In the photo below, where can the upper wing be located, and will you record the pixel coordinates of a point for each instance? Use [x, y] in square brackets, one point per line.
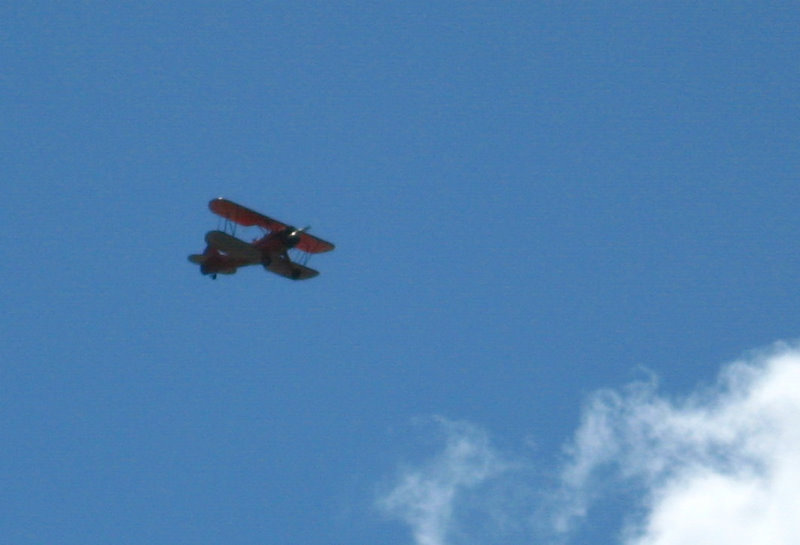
[243, 216]
[313, 245]
[246, 217]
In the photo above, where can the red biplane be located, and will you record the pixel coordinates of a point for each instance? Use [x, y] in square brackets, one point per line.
[225, 253]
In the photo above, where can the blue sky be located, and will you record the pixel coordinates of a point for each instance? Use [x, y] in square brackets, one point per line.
[535, 206]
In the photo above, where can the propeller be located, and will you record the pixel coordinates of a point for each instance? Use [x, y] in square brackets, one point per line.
[291, 235]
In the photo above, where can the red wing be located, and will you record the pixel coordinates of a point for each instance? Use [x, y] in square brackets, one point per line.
[313, 245]
[246, 217]
[243, 216]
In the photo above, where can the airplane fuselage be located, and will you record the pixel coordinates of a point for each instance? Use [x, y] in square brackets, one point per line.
[224, 254]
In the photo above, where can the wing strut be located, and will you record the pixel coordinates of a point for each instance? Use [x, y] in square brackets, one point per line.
[299, 256]
[226, 226]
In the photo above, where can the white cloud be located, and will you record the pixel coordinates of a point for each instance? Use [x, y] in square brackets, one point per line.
[720, 466]
[427, 497]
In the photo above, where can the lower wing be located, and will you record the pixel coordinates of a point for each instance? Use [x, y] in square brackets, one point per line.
[233, 247]
[289, 269]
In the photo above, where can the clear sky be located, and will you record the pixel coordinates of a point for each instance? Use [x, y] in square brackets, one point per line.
[555, 225]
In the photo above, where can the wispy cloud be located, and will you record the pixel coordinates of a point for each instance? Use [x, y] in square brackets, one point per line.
[718, 466]
[428, 497]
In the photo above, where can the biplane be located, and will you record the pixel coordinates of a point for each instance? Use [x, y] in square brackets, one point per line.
[225, 253]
